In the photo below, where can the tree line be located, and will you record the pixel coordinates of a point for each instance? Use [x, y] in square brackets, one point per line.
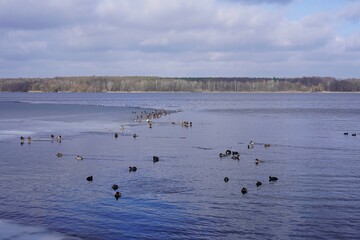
[161, 84]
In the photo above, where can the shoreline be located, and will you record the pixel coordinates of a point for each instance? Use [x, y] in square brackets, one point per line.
[215, 92]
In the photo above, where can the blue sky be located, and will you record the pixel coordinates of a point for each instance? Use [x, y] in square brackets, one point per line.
[180, 38]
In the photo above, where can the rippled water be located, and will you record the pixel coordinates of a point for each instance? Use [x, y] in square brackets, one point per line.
[183, 196]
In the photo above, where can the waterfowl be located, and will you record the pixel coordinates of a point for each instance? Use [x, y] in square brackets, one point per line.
[59, 137]
[115, 187]
[251, 143]
[226, 179]
[258, 183]
[116, 135]
[354, 134]
[244, 190]
[250, 146]
[222, 155]
[117, 195]
[155, 159]
[29, 138]
[267, 145]
[22, 138]
[52, 136]
[236, 157]
[89, 179]
[132, 169]
[346, 133]
[272, 179]
[235, 153]
[257, 161]
[228, 152]
[122, 128]
[135, 135]
[59, 154]
[78, 157]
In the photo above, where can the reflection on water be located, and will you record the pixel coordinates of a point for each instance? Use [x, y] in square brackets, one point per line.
[183, 196]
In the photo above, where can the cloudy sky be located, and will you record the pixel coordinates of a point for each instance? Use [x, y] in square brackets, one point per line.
[229, 38]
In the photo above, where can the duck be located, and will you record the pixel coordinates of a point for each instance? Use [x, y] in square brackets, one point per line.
[236, 157]
[258, 183]
[250, 146]
[116, 135]
[267, 145]
[117, 195]
[272, 179]
[78, 157]
[222, 155]
[59, 137]
[135, 135]
[89, 179]
[59, 154]
[52, 136]
[155, 159]
[354, 134]
[22, 138]
[132, 169]
[115, 187]
[226, 179]
[346, 133]
[244, 190]
[257, 161]
[228, 152]
[29, 138]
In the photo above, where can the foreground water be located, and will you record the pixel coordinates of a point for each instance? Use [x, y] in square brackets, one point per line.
[183, 196]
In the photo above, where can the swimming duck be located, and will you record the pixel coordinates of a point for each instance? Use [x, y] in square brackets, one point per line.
[135, 135]
[132, 169]
[89, 179]
[272, 179]
[22, 138]
[354, 134]
[267, 145]
[226, 179]
[236, 157]
[29, 138]
[59, 154]
[346, 133]
[115, 187]
[52, 136]
[116, 135]
[78, 157]
[228, 152]
[244, 190]
[155, 159]
[257, 161]
[258, 183]
[117, 195]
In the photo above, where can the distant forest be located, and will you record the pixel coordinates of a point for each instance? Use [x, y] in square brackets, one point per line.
[159, 84]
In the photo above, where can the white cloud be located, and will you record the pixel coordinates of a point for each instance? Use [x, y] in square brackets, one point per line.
[202, 37]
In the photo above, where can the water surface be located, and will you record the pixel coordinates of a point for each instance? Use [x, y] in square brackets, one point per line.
[183, 196]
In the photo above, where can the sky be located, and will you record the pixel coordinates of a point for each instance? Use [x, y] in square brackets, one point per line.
[180, 38]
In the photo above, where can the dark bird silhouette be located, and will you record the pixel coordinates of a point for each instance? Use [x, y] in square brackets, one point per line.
[132, 169]
[272, 179]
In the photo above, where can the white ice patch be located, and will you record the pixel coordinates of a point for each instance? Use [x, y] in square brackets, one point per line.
[13, 231]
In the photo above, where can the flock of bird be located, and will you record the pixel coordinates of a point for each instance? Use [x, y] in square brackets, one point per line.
[236, 156]
[148, 118]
